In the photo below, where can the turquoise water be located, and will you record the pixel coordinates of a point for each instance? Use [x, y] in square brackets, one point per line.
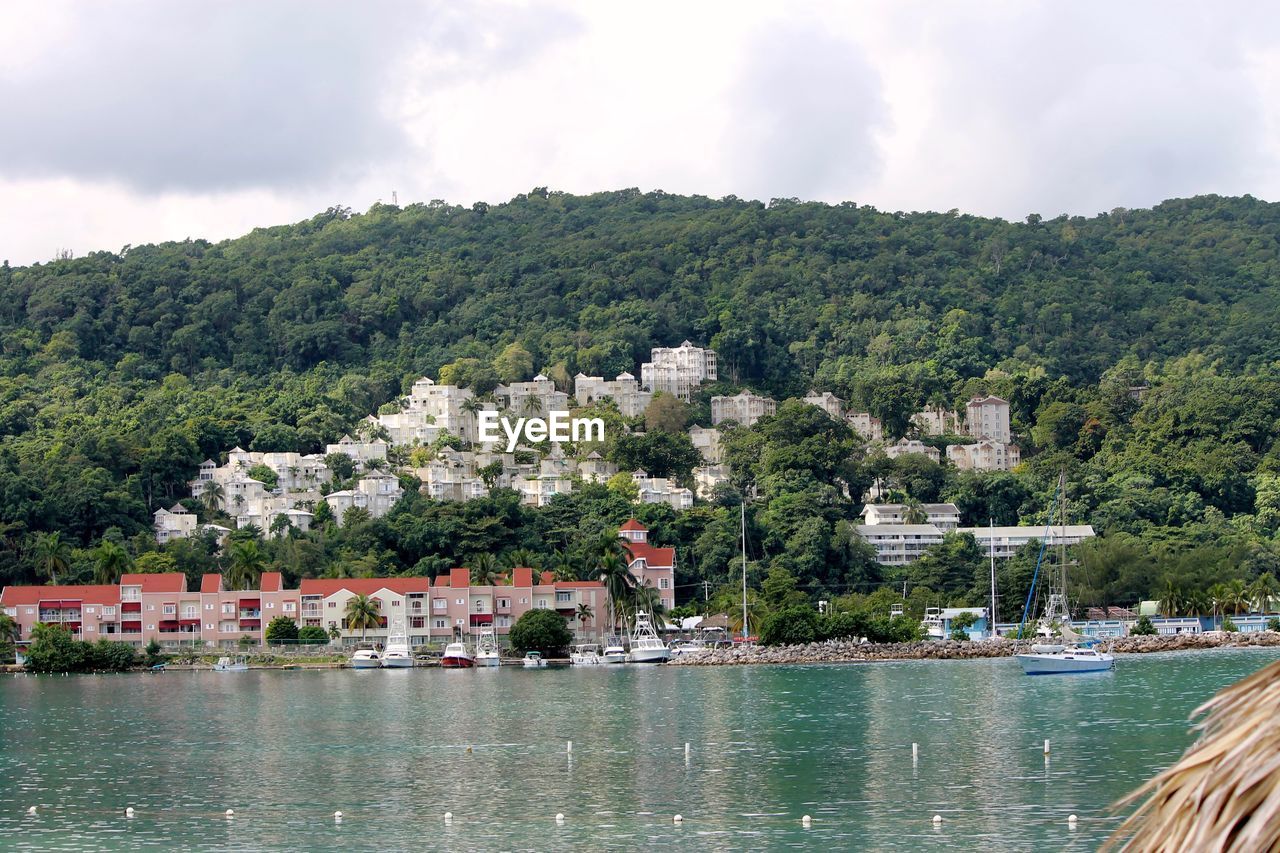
[285, 749]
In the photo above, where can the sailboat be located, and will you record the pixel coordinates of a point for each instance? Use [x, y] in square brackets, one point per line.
[1075, 652]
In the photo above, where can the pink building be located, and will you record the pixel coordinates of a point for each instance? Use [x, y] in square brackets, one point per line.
[650, 565]
[460, 609]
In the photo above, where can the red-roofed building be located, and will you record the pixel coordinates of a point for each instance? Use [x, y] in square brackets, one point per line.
[650, 565]
[402, 602]
[88, 612]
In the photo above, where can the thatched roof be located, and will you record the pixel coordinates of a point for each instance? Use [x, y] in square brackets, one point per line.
[1224, 795]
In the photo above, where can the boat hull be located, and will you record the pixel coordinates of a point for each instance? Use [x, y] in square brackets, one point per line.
[366, 664]
[397, 663]
[661, 655]
[1051, 664]
[457, 663]
[488, 660]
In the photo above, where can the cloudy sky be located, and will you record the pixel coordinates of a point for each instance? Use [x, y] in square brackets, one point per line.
[131, 122]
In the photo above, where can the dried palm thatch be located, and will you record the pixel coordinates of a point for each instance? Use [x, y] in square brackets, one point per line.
[1224, 795]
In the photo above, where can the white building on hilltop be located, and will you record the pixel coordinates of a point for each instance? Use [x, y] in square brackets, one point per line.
[988, 417]
[538, 397]
[429, 410]
[360, 452]
[661, 490]
[937, 421]
[744, 408]
[985, 455]
[177, 522]
[943, 516]
[1004, 542]
[828, 402]
[376, 492]
[625, 391]
[900, 544]
[707, 442]
[678, 370]
[865, 425]
[903, 446]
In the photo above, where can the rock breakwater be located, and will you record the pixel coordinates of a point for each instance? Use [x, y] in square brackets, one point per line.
[843, 651]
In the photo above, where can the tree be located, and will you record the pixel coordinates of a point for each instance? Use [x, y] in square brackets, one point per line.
[484, 570]
[364, 613]
[1264, 592]
[52, 555]
[541, 630]
[155, 563]
[584, 614]
[613, 572]
[794, 625]
[52, 649]
[110, 561]
[1143, 628]
[265, 475]
[513, 364]
[961, 624]
[666, 413]
[282, 629]
[245, 566]
[342, 466]
[312, 634]
[213, 495]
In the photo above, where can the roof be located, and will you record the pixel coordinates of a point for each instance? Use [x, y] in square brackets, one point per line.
[935, 508]
[271, 582]
[897, 529]
[990, 398]
[953, 612]
[211, 583]
[632, 524]
[12, 596]
[362, 586]
[1032, 531]
[167, 582]
[579, 584]
[658, 558]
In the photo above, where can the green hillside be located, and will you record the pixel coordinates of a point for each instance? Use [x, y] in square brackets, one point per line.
[120, 372]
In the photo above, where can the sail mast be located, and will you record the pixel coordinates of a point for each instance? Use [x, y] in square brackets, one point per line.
[743, 506]
[991, 540]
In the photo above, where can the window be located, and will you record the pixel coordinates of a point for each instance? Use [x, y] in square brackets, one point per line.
[228, 607]
[562, 597]
[151, 607]
[542, 604]
[333, 604]
[88, 610]
[395, 604]
[504, 621]
[504, 602]
[439, 623]
[524, 600]
[151, 627]
[271, 605]
[169, 609]
[109, 611]
[416, 621]
[461, 601]
[460, 621]
[290, 606]
[664, 584]
[88, 627]
[208, 607]
[208, 626]
[31, 611]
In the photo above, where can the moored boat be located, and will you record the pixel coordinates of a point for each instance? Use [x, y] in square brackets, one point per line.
[397, 654]
[586, 654]
[614, 651]
[365, 659]
[487, 649]
[1070, 659]
[457, 656]
[237, 664]
[646, 645]
[533, 660]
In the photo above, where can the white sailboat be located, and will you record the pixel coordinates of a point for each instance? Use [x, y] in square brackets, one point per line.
[646, 645]
[398, 654]
[487, 649]
[1059, 649]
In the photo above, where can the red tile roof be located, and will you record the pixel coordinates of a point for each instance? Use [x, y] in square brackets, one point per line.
[658, 558]
[362, 586]
[167, 582]
[548, 577]
[271, 582]
[211, 583]
[632, 524]
[12, 596]
[522, 577]
[459, 578]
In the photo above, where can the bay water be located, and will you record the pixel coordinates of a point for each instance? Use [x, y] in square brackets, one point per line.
[395, 750]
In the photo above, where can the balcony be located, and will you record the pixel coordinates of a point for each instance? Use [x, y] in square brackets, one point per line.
[131, 607]
[250, 614]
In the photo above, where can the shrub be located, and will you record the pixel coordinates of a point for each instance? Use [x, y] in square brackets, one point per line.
[541, 630]
[53, 650]
[109, 656]
[842, 626]
[1228, 625]
[154, 654]
[282, 629]
[792, 625]
[1273, 624]
[313, 634]
[1143, 628]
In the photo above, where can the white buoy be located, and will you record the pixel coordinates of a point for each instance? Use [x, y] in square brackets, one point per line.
[559, 817]
[678, 819]
[937, 819]
[230, 813]
[128, 812]
[1071, 821]
[915, 752]
[1046, 746]
[31, 809]
[337, 816]
[568, 747]
[448, 817]
[806, 821]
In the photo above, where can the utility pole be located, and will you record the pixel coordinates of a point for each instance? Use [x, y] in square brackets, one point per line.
[745, 633]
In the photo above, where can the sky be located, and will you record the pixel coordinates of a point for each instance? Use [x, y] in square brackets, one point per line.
[136, 121]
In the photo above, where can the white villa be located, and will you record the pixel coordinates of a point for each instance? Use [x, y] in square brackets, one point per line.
[943, 516]
[828, 402]
[904, 446]
[985, 455]
[937, 421]
[360, 452]
[376, 492]
[707, 477]
[988, 417]
[660, 490]
[625, 391]
[865, 425]
[538, 397]
[743, 408]
[678, 370]
[177, 522]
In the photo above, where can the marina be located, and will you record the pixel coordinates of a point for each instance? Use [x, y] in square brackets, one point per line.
[767, 745]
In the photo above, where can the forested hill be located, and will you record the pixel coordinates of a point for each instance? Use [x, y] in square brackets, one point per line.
[1138, 350]
[790, 294]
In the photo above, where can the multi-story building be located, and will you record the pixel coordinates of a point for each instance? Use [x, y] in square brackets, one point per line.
[360, 452]
[943, 516]
[537, 398]
[865, 425]
[936, 421]
[988, 417]
[900, 544]
[660, 490]
[1004, 542]
[428, 411]
[625, 392]
[177, 522]
[376, 492]
[707, 442]
[828, 402]
[650, 565]
[707, 477]
[904, 446]
[985, 455]
[743, 408]
[678, 370]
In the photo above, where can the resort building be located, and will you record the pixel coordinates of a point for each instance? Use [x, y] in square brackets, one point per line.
[625, 392]
[707, 477]
[360, 452]
[743, 409]
[988, 417]
[828, 402]
[678, 370]
[899, 544]
[177, 522]
[904, 446]
[985, 455]
[865, 425]
[660, 490]
[376, 492]
[650, 565]
[427, 412]
[937, 421]
[1004, 542]
[537, 398]
[706, 440]
[943, 516]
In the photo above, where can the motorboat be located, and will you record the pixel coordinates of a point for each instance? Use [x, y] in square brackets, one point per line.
[684, 647]
[365, 659]
[646, 645]
[932, 624]
[237, 664]
[586, 654]
[533, 660]
[1071, 659]
[614, 651]
[398, 654]
[457, 656]
[487, 649]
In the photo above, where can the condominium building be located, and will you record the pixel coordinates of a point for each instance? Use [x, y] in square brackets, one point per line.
[865, 425]
[537, 398]
[945, 516]
[743, 408]
[177, 522]
[985, 455]
[625, 392]
[899, 544]
[360, 452]
[904, 446]
[936, 421]
[988, 417]
[1004, 542]
[828, 402]
[660, 490]
[706, 440]
[650, 565]
[376, 492]
[678, 370]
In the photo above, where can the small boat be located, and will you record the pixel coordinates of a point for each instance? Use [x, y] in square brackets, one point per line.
[932, 624]
[614, 651]
[646, 645]
[365, 659]
[1069, 660]
[158, 668]
[487, 649]
[532, 660]
[456, 656]
[685, 647]
[237, 664]
[397, 654]
[587, 654]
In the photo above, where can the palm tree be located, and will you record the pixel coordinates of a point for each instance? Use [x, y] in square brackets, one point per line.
[648, 599]
[521, 557]
[914, 513]
[1264, 591]
[9, 630]
[584, 613]
[213, 494]
[1218, 597]
[618, 581]
[1197, 602]
[246, 565]
[564, 567]
[484, 570]
[533, 406]
[1237, 597]
[1172, 599]
[52, 555]
[364, 613]
[110, 561]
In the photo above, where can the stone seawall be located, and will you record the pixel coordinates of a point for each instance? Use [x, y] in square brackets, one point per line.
[848, 651]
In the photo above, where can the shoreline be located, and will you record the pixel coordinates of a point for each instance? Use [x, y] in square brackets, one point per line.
[851, 652]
